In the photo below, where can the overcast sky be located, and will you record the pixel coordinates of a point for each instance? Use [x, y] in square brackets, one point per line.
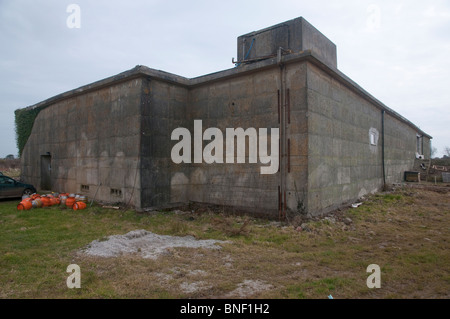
[398, 51]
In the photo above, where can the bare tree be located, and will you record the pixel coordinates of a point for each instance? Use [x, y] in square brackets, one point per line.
[433, 152]
[447, 151]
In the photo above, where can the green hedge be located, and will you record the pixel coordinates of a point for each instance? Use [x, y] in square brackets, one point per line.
[24, 120]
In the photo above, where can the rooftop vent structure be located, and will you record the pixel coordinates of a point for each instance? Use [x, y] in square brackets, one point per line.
[292, 36]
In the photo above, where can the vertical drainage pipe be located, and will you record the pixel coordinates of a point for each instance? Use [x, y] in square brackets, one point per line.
[382, 149]
[282, 208]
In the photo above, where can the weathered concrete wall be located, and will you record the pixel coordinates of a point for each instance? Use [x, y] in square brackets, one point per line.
[343, 165]
[247, 100]
[296, 35]
[93, 138]
[427, 147]
[296, 139]
[400, 149]
[244, 100]
[344, 162]
[164, 108]
[117, 132]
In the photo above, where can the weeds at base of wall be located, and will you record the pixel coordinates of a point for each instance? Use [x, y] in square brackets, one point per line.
[301, 213]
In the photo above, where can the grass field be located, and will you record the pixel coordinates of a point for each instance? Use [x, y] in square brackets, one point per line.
[405, 232]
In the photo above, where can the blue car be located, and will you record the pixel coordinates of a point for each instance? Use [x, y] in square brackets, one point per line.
[10, 188]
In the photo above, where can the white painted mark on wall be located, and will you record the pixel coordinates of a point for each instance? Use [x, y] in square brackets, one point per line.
[373, 136]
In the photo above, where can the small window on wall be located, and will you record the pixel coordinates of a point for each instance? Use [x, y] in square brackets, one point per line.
[116, 192]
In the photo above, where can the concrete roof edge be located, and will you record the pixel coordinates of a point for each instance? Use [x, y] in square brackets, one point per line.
[255, 32]
[247, 68]
[136, 72]
[143, 71]
[316, 60]
[163, 75]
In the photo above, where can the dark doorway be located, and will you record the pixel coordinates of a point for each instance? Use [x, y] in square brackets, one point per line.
[46, 169]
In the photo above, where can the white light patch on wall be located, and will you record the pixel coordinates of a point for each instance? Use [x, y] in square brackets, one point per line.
[373, 139]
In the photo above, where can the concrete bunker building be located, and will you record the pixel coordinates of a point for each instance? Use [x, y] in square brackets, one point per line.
[112, 138]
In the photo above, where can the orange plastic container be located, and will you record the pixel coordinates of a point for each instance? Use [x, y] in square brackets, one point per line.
[70, 201]
[34, 196]
[46, 201]
[79, 205]
[25, 205]
[36, 203]
[54, 201]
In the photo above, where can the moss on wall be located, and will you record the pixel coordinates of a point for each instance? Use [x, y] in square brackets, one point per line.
[24, 120]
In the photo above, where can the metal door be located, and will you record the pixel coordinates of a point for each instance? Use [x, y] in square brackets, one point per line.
[46, 169]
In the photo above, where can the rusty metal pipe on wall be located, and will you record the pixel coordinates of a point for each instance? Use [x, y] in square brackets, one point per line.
[382, 148]
[282, 93]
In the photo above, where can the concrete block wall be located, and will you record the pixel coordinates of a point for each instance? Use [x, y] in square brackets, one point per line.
[400, 149]
[118, 132]
[296, 35]
[297, 134]
[93, 138]
[342, 163]
[247, 100]
[427, 147]
[164, 105]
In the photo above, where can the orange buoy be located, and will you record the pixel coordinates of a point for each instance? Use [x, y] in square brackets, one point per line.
[46, 202]
[54, 201]
[25, 205]
[70, 201]
[62, 200]
[36, 203]
[79, 205]
[83, 199]
[34, 196]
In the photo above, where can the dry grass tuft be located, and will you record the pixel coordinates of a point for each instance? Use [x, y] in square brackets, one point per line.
[230, 227]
